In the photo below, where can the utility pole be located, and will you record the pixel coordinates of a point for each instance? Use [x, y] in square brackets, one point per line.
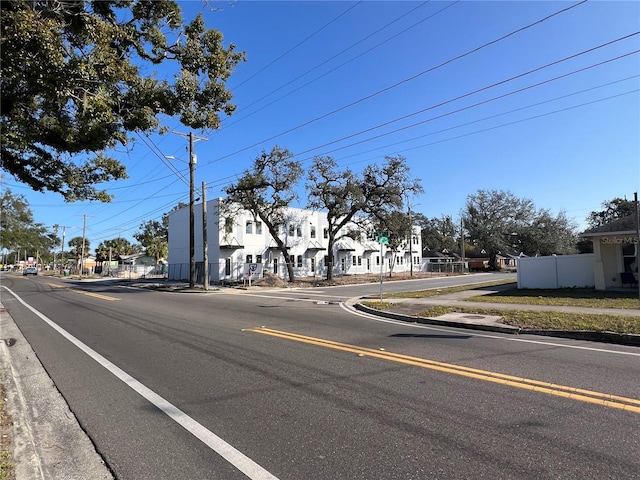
[192, 172]
[462, 243]
[64, 231]
[205, 247]
[410, 238]
[84, 231]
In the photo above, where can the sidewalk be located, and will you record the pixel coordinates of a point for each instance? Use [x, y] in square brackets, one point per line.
[407, 309]
[48, 442]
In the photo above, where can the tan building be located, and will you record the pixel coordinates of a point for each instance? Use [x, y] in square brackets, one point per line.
[615, 253]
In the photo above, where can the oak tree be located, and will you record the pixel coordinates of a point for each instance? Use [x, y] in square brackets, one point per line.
[78, 78]
[346, 196]
[266, 191]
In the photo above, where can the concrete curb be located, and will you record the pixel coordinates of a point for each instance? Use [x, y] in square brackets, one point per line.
[589, 335]
[48, 442]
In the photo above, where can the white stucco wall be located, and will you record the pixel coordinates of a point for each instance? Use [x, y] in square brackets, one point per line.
[366, 259]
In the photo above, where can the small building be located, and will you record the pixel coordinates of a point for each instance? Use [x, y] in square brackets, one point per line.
[243, 239]
[615, 253]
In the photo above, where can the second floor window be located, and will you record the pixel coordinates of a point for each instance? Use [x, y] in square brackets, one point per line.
[249, 227]
[313, 231]
[258, 229]
[228, 225]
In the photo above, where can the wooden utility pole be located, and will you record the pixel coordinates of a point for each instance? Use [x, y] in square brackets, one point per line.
[205, 247]
[192, 172]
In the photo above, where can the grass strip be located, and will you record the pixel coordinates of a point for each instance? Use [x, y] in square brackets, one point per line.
[535, 320]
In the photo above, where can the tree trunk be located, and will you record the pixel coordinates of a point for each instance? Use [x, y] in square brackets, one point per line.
[330, 257]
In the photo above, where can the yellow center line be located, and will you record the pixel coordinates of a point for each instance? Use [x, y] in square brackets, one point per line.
[82, 292]
[589, 396]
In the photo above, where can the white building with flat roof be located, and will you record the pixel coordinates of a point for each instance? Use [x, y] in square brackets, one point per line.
[232, 243]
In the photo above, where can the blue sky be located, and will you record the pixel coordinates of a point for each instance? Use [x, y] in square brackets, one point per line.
[442, 83]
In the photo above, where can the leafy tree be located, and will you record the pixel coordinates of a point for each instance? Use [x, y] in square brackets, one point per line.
[499, 222]
[18, 231]
[612, 210]
[266, 191]
[438, 233]
[154, 237]
[113, 249]
[398, 227]
[492, 216]
[546, 235]
[78, 77]
[345, 196]
[75, 249]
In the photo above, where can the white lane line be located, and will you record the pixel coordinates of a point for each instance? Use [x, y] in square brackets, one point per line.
[470, 333]
[236, 458]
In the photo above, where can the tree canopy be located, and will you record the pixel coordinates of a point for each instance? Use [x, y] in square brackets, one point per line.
[345, 195]
[612, 210]
[499, 222]
[266, 190]
[79, 77]
[18, 231]
[114, 248]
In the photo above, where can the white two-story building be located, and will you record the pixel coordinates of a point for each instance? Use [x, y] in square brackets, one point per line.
[234, 242]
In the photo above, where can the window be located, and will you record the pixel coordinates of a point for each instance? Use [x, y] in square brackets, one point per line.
[353, 260]
[377, 259]
[313, 231]
[227, 266]
[291, 228]
[415, 240]
[299, 263]
[275, 266]
[368, 264]
[258, 258]
[228, 225]
[325, 233]
[313, 265]
[249, 259]
[249, 227]
[629, 258]
[258, 228]
[359, 261]
[298, 231]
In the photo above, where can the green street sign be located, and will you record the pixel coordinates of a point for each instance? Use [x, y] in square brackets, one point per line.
[382, 237]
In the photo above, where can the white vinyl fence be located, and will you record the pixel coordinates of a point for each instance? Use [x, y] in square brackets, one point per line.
[556, 271]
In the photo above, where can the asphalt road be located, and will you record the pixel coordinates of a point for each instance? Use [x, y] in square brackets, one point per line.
[291, 385]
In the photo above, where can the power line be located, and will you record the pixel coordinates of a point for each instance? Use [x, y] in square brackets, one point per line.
[491, 117]
[397, 84]
[339, 66]
[404, 117]
[298, 44]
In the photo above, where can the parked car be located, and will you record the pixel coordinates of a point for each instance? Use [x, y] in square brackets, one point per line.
[30, 271]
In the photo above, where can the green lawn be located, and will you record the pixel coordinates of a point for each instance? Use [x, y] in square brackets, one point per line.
[580, 297]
